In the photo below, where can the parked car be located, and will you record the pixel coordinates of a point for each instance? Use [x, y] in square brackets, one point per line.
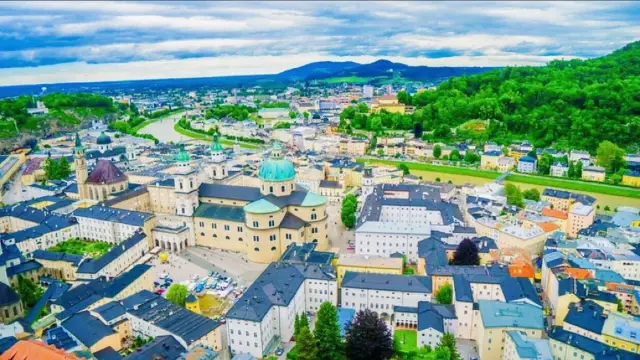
[279, 351]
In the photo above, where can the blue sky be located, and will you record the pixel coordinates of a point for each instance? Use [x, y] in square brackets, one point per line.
[49, 42]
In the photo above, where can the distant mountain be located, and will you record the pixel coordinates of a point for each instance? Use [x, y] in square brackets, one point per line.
[316, 69]
[385, 69]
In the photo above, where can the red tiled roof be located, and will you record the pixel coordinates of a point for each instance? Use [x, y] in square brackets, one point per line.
[105, 173]
[557, 214]
[32, 166]
[35, 350]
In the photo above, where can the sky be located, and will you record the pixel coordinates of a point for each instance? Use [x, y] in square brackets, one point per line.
[53, 42]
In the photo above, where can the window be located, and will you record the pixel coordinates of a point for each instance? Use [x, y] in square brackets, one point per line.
[287, 236]
[226, 228]
[214, 226]
[201, 224]
[314, 216]
[272, 223]
[256, 238]
[271, 189]
[240, 229]
[256, 249]
[256, 224]
[272, 237]
[239, 239]
[283, 188]
[273, 248]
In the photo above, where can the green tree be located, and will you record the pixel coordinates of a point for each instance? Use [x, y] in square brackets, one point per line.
[380, 152]
[404, 97]
[455, 155]
[64, 169]
[620, 308]
[348, 212]
[296, 326]
[52, 169]
[571, 172]
[327, 333]
[306, 345]
[293, 114]
[177, 294]
[471, 157]
[544, 164]
[578, 170]
[29, 291]
[437, 151]
[404, 167]
[531, 194]
[610, 156]
[449, 341]
[304, 320]
[444, 295]
[305, 115]
[514, 195]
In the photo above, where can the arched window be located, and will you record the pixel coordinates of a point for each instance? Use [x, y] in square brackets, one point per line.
[181, 187]
[121, 187]
[315, 240]
[191, 183]
[104, 194]
[273, 248]
[283, 188]
[239, 239]
[256, 249]
[227, 237]
[314, 216]
[214, 172]
[113, 189]
[271, 189]
[91, 193]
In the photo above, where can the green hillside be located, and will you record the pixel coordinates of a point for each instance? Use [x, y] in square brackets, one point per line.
[570, 104]
[65, 111]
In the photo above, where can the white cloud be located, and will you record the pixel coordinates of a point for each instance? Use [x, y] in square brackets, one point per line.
[228, 65]
[485, 42]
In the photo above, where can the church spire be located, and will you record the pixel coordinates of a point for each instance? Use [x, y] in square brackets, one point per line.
[78, 143]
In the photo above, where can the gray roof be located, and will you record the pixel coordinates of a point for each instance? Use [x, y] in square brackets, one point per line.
[106, 213]
[330, 184]
[387, 282]
[231, 192]
[93, 266]
[8, 295]
[110, 310]
[164, 347]
[173, 318]
[277, 285]
[87, 328]
[220, 212]
[290, 221]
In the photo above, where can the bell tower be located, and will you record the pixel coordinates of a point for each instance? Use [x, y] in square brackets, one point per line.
[81, 168]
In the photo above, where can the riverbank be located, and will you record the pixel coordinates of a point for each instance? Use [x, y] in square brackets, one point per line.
[151, 121]
[607, 195]
[199, 136]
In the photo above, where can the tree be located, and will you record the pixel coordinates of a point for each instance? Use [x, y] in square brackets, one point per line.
[306, 345]
[304, 320]
[380, 152]
[305, 115]
[610, 156]
[177, 294]
[437, 151]
[531, 194]
[466, 253]
[571, 172]
[404, 97]
[348, 212]
[471, 157]
[327, 333]
[404, 167]
[455, 155]
[293, 114]
[29, 291]
[368, 338]
[296, 326]
[64, 169]
[514, 195]
[544, 164]
[444, 295]
[620, 308]
[578, 170]
[449, 341]
[417, 130]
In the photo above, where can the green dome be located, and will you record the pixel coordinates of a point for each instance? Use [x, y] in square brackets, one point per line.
[183, 155]
[277, 170]
[103, 139]
[215, 144]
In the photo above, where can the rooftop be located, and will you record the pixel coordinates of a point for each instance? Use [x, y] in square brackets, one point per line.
[497, 314]
[387, 282]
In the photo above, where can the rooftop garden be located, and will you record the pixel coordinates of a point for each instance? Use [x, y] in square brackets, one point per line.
[75, 246]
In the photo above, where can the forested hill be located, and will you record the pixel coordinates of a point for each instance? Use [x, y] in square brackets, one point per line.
[571, 103]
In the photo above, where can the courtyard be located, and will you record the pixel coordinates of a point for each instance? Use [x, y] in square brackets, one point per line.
[92, 249]
[406, 340]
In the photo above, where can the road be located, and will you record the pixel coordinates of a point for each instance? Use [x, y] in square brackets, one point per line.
[339, 236]
[15, 194]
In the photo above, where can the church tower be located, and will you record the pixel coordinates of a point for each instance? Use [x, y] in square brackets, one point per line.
[186, 184]
[218, 167]
[367, 180]
[82, 171]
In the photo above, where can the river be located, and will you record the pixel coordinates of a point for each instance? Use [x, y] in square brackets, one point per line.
[603, 200]
[163, 129]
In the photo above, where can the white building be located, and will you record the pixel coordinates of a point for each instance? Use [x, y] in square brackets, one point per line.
[116, 261]
[386, 238]
[382, 292]
[266, 312]
[430, 320]
[102, 223]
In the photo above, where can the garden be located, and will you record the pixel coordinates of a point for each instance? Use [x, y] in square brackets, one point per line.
[92, 249]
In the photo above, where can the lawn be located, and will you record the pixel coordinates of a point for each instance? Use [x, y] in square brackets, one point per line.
[405, 340]
[578, 185]
[93, 249]
[212, 306]
[347, 79]
[436, 168]
[198, 136]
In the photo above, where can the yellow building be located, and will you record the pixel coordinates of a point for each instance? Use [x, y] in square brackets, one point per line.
[631, 179]
[562, 308]
[10, 165]
[389, 103]
[192, 304]
[11, 307]
[593, 173]
[489, 160]
[261, 222]
[621, 331]
[354, 147]
[367, 264]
